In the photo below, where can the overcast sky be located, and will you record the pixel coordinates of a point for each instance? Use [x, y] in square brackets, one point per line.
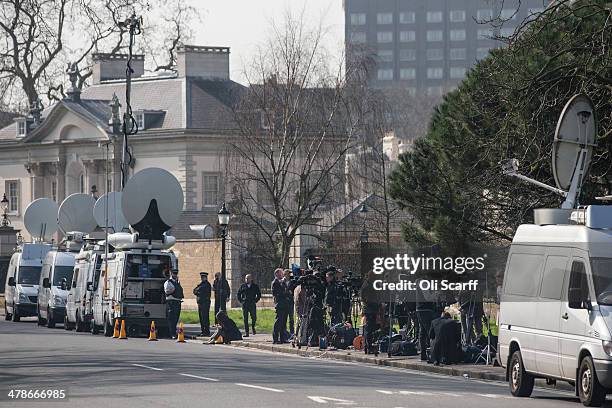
[243, 24]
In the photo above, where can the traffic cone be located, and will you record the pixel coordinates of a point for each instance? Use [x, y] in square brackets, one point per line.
[180, 338]
[152, 332]
[116, 329]
[122, 334]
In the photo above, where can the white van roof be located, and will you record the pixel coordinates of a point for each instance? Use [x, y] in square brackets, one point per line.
[596, 241]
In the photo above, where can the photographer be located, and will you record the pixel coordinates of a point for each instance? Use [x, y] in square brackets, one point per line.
[333, 298]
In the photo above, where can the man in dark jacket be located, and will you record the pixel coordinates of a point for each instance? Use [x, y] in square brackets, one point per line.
[222, 293]
[249, 294]
[279, 292]
[202, 294]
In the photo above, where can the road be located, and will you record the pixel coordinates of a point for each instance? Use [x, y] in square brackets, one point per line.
[100, 372]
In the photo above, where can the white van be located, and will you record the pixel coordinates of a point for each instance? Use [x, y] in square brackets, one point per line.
[55, 278]
[133, 290]
[555, 318]
[22, 278]
[79, 304]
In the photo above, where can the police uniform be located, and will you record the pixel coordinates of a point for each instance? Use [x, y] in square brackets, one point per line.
[174, 297]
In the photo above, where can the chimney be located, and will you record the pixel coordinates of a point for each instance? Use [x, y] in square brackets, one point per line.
[203, 62]
[113, 66]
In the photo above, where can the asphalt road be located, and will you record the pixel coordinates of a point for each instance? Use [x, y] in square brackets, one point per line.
[100, 372]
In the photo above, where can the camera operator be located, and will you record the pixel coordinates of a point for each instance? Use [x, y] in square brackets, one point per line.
[333, 297]
[310, 294]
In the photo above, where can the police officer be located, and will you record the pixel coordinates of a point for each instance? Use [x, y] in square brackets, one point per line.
[222, 293]
[249, 294]
[279, 292]
[202, 294]
[174, 298]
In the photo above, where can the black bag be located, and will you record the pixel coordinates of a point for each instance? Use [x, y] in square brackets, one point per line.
[403, 348]
[341, 336]
[383, 344]
[471, 354]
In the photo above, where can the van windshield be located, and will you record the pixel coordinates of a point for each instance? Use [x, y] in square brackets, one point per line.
[62, 272]
[29, 275]
[148, 266]
[602, 278]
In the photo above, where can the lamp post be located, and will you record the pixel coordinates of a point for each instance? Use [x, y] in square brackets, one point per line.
[5, 205]
[224, 216]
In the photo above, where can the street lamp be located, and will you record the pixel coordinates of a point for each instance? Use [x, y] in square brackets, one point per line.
[5, 205]
[224, 217]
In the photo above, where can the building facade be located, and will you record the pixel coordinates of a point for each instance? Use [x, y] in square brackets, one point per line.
[428, 46]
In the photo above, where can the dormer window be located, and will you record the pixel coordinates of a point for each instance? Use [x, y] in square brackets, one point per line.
[149, 119]
[22, 127]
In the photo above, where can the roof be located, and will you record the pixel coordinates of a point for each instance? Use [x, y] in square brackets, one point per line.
[597, 241]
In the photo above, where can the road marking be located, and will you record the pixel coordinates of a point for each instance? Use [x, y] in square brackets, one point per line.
[336, 401]
[259, 387]
[490, 395]
[416, 393]
[149, 367]
[199, 377]
[385, 392]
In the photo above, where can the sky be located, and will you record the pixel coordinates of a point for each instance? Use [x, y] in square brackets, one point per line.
[242, 25]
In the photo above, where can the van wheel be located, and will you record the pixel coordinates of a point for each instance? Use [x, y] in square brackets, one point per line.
[108, 328]
[15, 316]
[591, 393]
[50, 320]
[521, 382]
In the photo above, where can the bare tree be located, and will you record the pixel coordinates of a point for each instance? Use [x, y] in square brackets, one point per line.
[296, 127]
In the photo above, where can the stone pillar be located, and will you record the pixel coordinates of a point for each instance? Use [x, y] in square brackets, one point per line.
[36, 171]
[8, 242]
[60, 179]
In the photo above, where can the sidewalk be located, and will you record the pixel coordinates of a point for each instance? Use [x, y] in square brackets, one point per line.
[473, 371]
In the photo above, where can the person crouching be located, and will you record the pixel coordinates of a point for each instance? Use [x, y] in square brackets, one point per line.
[227, 330]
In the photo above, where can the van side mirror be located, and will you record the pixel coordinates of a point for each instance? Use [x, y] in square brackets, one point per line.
[11, 281]
[46, 283]
[575, 300]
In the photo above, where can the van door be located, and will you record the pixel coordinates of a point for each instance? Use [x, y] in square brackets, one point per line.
[548, 313]
[573, 321]
[10, 290]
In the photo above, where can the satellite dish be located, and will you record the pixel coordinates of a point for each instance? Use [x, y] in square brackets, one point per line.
[114, 215]
[152, 202]
[76, 214]
[40, 219]
[573, 146]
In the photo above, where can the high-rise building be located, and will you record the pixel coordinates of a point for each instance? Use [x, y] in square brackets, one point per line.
[428, 45]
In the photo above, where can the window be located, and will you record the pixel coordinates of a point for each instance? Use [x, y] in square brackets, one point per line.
[140, 121]
[457, 72]
[385, 55]
[54, 190]
[435, 54]
[407, 17]
[407, 73]
[435, 73]
[384, 18]
[457, 53]
[484, 14]
[457, 35]
[524, 274]
[358, 37]
[109, 185]
[552, 281]
[82, 183]
[408, 55]
[482, 53]
[358, 18]
[435, 91]
[407, 36]
[434, 16]
[385, 74]
[578, 279]
[21, 128]
[210, 190]
[508, 14]
[457, 16]
[384, 36]
[507, 32]
[485, 33]
[434, 35]
[11, 188]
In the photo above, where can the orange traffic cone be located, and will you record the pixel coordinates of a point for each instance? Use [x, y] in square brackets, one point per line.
[122, 334]
[116, 329]
[152, 332]
[180, 338]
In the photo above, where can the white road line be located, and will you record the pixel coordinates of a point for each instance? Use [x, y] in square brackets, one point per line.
[428, 394]
[385, 392]
[149, 367]
[490, 395]
[259, 387]
[199, 377]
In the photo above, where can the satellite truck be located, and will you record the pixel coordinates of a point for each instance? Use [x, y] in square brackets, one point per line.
[131, 285]
[23, 276]
[555, 318]
[88, 263]
[75, 220]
